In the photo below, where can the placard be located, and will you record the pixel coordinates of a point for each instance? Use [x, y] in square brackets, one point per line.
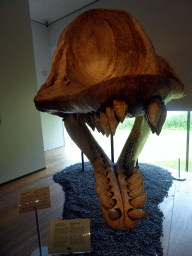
[30, 200]
[68, 236]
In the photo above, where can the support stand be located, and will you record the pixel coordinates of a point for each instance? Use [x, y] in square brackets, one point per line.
[41, 251]
[82, 158]
[112, 149]
[187, 149]
[180, 176]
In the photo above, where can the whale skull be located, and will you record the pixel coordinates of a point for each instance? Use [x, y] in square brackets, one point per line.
[105, 69]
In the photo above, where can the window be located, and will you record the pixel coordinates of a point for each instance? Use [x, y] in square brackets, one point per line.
[164, 150]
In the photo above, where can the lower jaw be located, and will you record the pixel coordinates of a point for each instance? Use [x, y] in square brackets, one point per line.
[119, 186]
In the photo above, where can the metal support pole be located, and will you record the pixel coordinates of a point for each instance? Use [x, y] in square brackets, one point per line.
[179, 167]
[137, 163]
[39, 237]
[187, 146]
[82, 157]
[112, 149]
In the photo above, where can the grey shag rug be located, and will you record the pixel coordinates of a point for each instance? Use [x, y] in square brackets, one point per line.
[81, 201]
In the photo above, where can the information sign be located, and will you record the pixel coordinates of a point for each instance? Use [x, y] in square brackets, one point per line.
[68, 236]
[30, 200]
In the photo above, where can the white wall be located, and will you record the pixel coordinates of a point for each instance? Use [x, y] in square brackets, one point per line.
[21, 150]
[52, 126]
[167, 23]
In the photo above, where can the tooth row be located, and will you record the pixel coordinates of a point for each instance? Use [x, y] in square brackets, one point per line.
[106, 191]
[107, 122]
[103, 189]
[100, 164]
[135, 191]
[135, 196]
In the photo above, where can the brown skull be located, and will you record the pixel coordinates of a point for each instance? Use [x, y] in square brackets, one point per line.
[104, 69]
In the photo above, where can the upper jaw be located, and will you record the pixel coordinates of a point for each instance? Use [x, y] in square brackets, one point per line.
[141, 95]
[78, 99]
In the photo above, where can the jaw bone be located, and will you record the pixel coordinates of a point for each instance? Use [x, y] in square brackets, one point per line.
[119, 188]
[104, 69]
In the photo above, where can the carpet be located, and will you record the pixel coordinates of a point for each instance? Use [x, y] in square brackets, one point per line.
[81, 202]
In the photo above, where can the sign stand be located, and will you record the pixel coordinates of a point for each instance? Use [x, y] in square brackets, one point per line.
[82, 158]
[41, 251]
[31, 200]
[112, 148]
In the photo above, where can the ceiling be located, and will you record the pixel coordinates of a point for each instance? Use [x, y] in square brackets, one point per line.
[51, 10]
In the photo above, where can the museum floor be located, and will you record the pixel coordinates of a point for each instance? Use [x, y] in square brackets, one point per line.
[18, 231]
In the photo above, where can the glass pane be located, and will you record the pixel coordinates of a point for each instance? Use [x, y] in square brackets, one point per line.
[119, 139]
[165, 150]
[121, 135]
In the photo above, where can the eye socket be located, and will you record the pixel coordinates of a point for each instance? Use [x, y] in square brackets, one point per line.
[51, 83]
[67, 79]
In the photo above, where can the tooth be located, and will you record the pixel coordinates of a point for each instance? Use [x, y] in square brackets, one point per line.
[132, 171]
[102, 184]
[98, 154]
[129, 165]
[136, 214]
[100, 164]
[112, 120]
[100, 158]
[92, 118]
[100, 170]
[101, 192]
[137, 192]
[95, 148]
[89, 121]
[81, 116]
[161, 119]
[103, 199]
[105, 123]
[77, 116]
[136, 184]
[154, 113]
[134, 177]
[114, 214]
[139, 202]
[106, 202]
[98, 124]
[101, 177]
[121, 109]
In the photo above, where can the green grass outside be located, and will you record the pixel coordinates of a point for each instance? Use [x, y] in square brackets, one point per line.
[174, 164]
[175, 122]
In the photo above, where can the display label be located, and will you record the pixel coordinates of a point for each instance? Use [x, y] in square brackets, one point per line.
[30, 200]
[68, 236]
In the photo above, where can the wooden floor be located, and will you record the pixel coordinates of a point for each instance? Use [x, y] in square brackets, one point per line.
[18, 231]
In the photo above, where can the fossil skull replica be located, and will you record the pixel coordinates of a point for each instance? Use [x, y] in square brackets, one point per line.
[105, 69]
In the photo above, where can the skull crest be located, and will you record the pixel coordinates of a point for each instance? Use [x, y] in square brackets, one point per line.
[104, 69]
